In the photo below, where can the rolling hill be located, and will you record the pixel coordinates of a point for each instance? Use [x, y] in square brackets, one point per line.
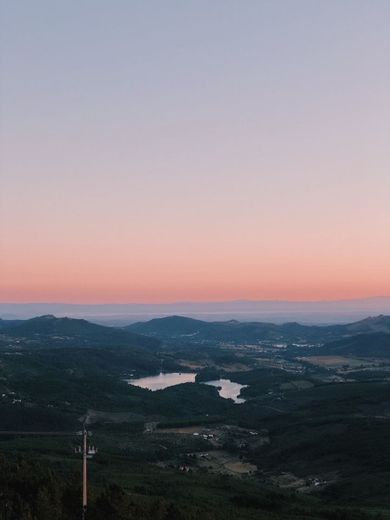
[376, 344]
[181, 327]
[52, 331]
[6, 324]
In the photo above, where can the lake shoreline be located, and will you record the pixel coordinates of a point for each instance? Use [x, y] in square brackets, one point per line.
[227, 389]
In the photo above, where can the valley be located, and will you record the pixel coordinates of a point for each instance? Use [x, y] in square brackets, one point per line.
[304, 428]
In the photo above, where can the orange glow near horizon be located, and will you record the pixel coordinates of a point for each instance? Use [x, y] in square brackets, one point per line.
[153, 157]
[198, 279]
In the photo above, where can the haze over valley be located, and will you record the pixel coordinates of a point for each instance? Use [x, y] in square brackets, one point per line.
[314, 312]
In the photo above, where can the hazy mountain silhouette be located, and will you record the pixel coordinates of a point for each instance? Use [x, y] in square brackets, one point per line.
[233, 330]
[74, 332]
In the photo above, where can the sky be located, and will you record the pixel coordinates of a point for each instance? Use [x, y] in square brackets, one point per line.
[194, 150]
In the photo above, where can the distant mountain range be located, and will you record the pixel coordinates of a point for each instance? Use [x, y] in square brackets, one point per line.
[318, 312]
[368, 337]
[49, 330]
[188, 329]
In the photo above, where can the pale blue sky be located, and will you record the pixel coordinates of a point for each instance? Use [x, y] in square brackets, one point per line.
[199, 134]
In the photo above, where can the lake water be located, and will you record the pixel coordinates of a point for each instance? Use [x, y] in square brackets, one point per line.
[228, 389]
[163, 380]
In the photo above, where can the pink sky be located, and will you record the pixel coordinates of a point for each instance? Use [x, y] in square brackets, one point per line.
[195, 152]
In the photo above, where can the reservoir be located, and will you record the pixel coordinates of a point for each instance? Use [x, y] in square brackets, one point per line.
[163, 380]
[226, 388]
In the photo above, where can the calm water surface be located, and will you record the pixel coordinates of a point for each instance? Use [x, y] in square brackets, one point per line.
[163, 380]
[228, 389]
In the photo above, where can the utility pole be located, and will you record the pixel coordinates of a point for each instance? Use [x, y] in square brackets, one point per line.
[85, 473]
[87, 452]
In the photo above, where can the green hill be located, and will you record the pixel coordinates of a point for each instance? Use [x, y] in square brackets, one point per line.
[174, 327]
[74, 332]
[364, 345]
